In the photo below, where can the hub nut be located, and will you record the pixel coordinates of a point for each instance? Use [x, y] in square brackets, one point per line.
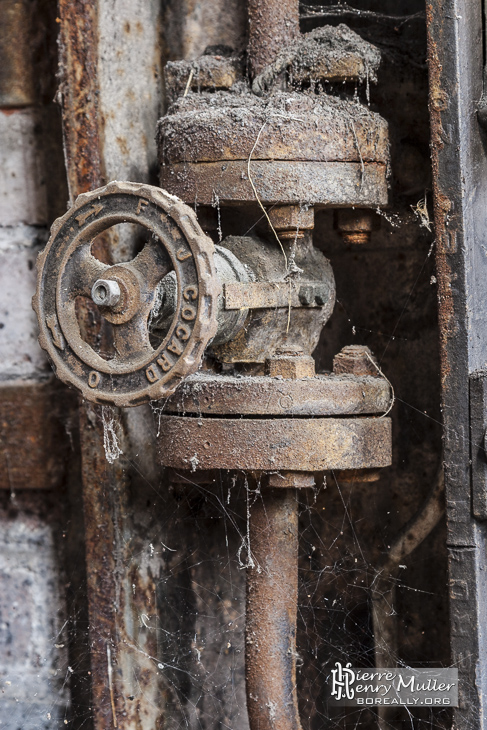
[105, 293]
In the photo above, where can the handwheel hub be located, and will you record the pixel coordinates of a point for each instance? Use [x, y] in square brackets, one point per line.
[106, 292]
[121, 308]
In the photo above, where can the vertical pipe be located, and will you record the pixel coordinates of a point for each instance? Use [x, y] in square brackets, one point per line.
[78, 43]
[82, 147]
[104, 497]
[272, 595]
[272, 25]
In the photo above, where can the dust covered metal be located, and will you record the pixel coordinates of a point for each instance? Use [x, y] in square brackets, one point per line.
[322, 395]
[292, 444]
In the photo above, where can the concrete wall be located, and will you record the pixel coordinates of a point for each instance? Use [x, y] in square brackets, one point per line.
[34, 674]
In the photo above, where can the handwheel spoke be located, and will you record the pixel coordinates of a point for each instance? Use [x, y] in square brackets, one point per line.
[131, 339]
[82, 271]
[152, 263]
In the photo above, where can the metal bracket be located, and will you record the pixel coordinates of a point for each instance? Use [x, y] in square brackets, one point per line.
[275, 294]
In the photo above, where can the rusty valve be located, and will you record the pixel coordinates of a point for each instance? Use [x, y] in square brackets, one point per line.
[141, 366]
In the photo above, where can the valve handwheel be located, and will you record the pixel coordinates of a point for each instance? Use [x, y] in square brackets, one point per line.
[125, 295]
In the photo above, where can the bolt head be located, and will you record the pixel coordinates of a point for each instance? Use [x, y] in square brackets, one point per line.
[291, 218]
[106, 293]
[356, 225]
[292, 366]
[355, 360]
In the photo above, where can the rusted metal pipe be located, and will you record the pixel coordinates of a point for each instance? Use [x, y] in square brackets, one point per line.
[111, 591]
[272, 595]
[272, 25]
[79, 95]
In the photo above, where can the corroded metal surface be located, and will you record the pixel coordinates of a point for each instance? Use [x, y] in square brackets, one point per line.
[291, 221]
[355, 226]
[325, 184]
[332, 395]
[290, 363]
[208, 72]
[272, 294]
[334, 53]
[292, 444]
[353, 184]
[17, 87]
[272, 25]
[269, 330]
[459, 167]
[138, 371]
[123, 683]
[210, 143]
[288, 126]
[328, 54]
[120, 578]
[79, 94]
[81, 139]
[104, 489]
[272, 597]
[34, 418]
[355, 360]
[291, 479]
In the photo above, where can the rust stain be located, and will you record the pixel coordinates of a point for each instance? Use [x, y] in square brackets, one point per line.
[11, 110]
[17, 87]
[35, 414]
[292, 444]
[122, 143]
[99, 482]
[272, 25]
[286, 127]
[78, 91]
[272, 597]
[442, 204]
[207, 394]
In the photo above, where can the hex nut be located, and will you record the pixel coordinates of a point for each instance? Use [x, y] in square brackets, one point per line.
[291, 220]
[355, 360]
[356, 225]
[313, 294]
[106, 293]
[287, 365]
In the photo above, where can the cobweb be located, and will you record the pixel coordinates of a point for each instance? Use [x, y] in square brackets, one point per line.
[175, 658]
[184, 548]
